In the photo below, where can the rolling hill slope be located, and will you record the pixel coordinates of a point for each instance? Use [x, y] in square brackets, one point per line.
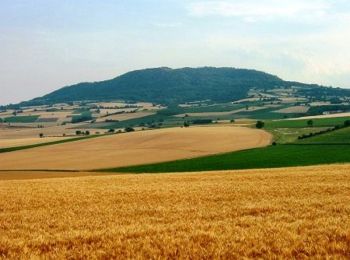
[174, 86]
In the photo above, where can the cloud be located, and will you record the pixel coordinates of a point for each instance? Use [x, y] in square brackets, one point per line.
[252, 10]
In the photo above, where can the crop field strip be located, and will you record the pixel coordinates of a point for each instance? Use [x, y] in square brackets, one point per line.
[294, 213]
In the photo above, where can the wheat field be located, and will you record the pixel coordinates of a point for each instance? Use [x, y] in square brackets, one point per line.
[280, 213]
[136, 148]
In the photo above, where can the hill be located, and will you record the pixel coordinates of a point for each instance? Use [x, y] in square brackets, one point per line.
[175, 86]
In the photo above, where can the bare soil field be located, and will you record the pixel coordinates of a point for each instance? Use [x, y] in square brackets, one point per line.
[136, 148]
[292, 213]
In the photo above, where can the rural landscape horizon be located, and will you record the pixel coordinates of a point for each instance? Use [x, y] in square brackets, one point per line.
[171, 129]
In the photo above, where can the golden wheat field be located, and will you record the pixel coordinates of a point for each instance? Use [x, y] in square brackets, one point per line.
[280, 213]
[136, 148]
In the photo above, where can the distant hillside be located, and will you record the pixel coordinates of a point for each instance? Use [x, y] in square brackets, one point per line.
[173, 86]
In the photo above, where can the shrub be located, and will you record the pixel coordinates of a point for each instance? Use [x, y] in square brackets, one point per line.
[260, 124]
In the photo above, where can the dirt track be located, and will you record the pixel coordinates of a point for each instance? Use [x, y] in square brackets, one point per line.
[136, 148]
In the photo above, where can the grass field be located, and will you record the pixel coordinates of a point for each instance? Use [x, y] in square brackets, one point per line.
[135, 148]
[21, 119]
[291, 213]
[269, 157]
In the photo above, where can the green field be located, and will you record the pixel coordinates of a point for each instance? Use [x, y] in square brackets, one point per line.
[320, 122]
[21, 119]
[84, 116]
[269, 157]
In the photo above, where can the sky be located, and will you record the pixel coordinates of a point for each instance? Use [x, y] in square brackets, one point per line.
[48, 44]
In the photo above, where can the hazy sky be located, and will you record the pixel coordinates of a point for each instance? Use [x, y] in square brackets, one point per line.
[47, 44]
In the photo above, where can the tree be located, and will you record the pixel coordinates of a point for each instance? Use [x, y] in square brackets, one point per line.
[78, 132]
[347, 123]
[129, 129]
[111, 131]
[186, 124]
[41, 135]
[87, 132]
[260, 124]
[310, 123]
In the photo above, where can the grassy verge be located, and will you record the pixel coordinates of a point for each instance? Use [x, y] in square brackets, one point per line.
[269, 157]
[17, 148]
[290, 135]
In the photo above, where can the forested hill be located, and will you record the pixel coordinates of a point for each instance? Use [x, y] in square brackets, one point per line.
[166, 86]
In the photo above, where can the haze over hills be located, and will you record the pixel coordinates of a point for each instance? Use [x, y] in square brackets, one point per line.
[174, 86]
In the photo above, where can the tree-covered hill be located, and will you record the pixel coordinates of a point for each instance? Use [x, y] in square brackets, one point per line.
[171, 86]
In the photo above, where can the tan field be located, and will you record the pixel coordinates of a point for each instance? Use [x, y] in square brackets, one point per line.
[287, 100]
[125, 116]
[29, 132]
[295, 109]
[4, 143]
[322, 116]
[293, 213]
[136, 148]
